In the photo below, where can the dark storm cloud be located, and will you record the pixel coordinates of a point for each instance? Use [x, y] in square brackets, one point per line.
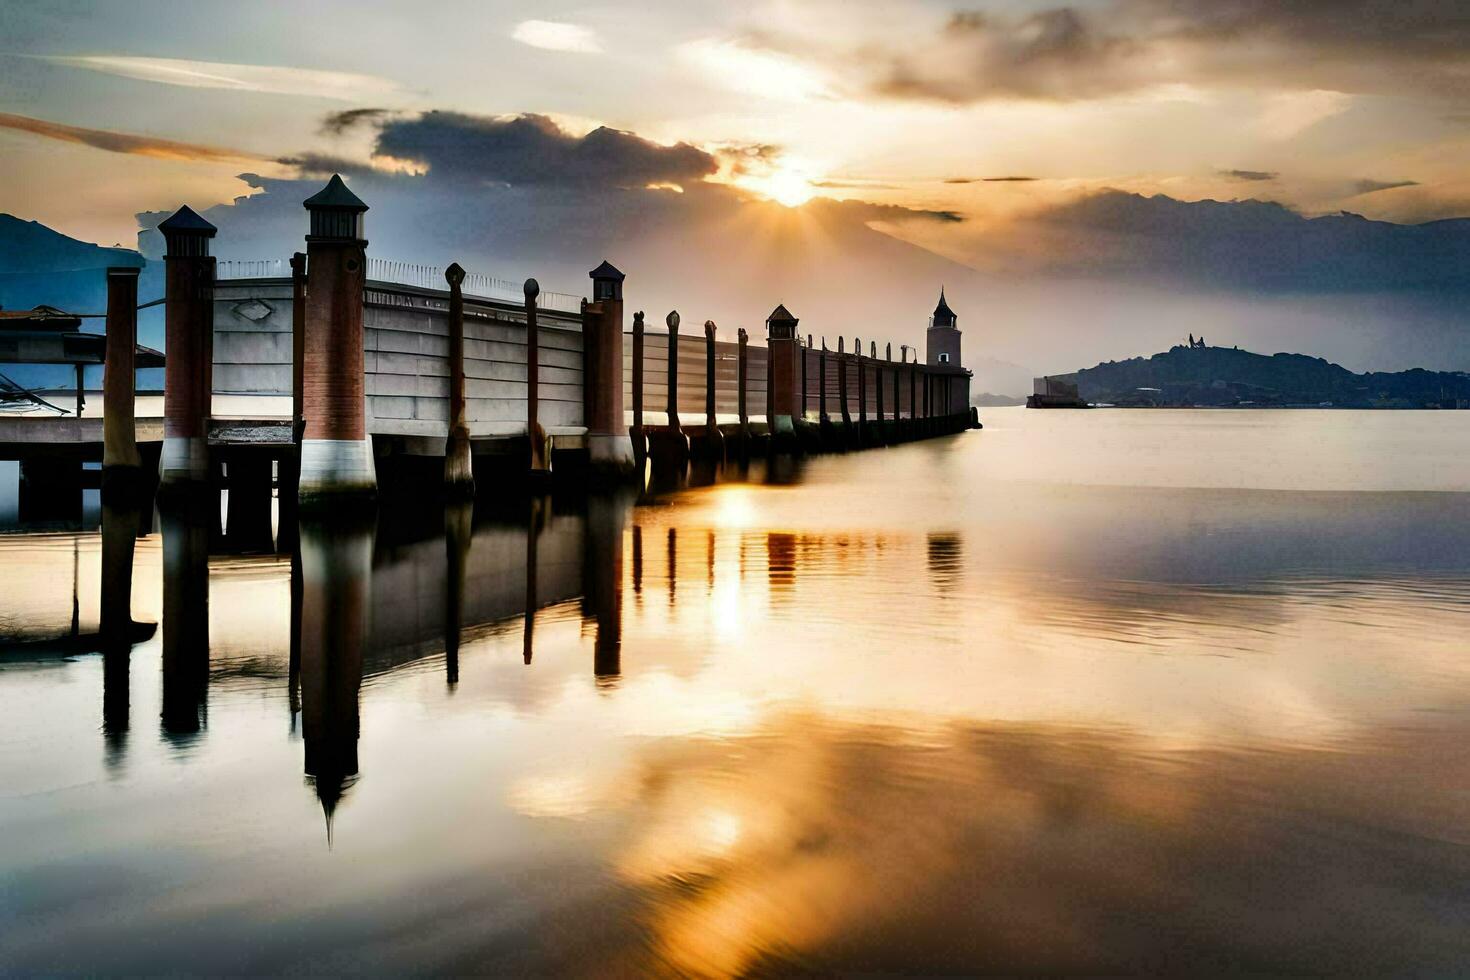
[337, 123]
[1369, 186]
[1070, 52]
[1249, 175]
[532, 150]
[323, 164]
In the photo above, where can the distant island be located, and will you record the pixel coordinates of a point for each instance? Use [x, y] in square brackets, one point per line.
[1194, 375]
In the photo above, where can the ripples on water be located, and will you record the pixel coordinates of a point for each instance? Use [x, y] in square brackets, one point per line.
[945, 707]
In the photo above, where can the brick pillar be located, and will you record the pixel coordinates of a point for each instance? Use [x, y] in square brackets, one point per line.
[608, 444]
[336, 452]
[119, 428]
[672, 320]
[782, 350]
[540, 450]
[189, 348]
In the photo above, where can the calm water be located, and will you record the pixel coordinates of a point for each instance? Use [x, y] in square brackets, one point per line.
[1105, 691]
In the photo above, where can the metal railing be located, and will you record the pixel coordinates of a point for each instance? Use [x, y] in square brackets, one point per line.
[409, 274]
[251, 268]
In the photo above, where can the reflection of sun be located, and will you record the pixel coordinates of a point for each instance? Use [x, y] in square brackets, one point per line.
[734, 507]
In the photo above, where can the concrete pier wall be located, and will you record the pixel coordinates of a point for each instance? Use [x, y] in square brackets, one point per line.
[405, 352]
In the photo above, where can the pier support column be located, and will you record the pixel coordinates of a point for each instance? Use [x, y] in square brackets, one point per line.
[781, 372]
[459, 475]
[540, 450]
[188, 388]
[336, 453]
[608, 445]
[121, 464]
[862, 390]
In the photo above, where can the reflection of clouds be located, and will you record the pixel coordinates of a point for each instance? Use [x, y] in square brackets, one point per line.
[826, 845]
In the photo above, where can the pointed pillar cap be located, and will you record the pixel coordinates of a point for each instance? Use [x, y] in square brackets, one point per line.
[186, 221]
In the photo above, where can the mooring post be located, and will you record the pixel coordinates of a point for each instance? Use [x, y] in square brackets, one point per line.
[608, 444]
[710, 425]
[842, 386]
[862, 389]
[803, 352]
[782, 350]
[640, 445]
[878, 388]
[672, 320]
[914, 397]
[121, 464]
[459, 476]
[822, 384]
[188, 386]
[336, 451]
[298, 345]
[540, 455]
[741, 340]
[895, 383]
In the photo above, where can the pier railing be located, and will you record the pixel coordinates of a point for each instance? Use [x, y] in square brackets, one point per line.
[409, 274]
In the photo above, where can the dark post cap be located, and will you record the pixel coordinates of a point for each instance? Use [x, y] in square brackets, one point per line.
[454, 275]
[606, 271]
[782, 315]
[185, 221]
[672, 320]
[334, 197]
[123, 270]
[531, 288]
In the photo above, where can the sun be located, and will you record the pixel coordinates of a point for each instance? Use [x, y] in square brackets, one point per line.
[787, 188]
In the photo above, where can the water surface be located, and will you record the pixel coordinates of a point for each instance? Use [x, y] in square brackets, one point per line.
[1106, 691]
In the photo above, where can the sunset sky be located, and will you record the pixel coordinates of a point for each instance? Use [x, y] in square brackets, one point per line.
[992, 135]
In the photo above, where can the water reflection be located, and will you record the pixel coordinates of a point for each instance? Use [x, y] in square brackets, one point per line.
[186, 525]
[975, 730]
[337, 579]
